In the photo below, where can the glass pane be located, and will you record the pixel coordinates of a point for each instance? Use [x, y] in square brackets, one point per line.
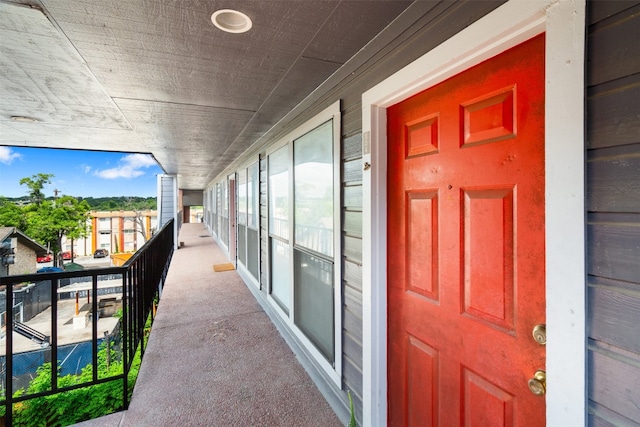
[279, 193]
[314, 300]
[280, 273]
[252, 196]
[242, 197]
[218, 210]
[253, 251]
[225, 213]
[242, 244]
[313, 189]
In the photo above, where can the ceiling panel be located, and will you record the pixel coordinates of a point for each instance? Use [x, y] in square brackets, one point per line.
[157, 76]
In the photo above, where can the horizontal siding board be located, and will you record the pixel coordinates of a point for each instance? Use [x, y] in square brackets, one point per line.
[352, 197]
[353, 301]
[599, 416]
[352, 379]
[352, 147]
[352, 223]
[615, 59]
[352, 348]
[613, 224]
[599, 10]
[612, 114]
[614, 250]
[614, 381]
[352, 119]
[352, 375]
[614, 314]
[352, 249]
[353, 275]
[353, 324]
[352, 172]
[613, 179]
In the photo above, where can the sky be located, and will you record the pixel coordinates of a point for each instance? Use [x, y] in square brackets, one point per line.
[78, 173]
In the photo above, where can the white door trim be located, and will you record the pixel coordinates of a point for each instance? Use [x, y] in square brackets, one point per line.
[563, 21]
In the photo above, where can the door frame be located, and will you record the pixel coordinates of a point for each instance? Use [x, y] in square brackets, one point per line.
[563, 22]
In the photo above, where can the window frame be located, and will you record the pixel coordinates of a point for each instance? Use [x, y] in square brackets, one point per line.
[244, 169]
[332, 113]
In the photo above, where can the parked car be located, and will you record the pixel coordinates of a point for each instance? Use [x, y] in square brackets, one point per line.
[50, 270]
[46, 258]
[101, 253]
[66, 255]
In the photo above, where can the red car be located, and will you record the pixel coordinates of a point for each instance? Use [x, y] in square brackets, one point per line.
[66, 255]
[46, 258]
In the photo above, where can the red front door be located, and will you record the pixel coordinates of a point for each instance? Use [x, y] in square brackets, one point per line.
[466, 251]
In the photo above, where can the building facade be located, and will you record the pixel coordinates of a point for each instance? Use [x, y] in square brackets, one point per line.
[115, 231]
[325, 227]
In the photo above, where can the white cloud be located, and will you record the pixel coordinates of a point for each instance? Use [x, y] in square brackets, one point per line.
[7, 156]
[86, 168]
[129, 166]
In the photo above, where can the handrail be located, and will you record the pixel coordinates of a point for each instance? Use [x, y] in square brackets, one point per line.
[143, 277]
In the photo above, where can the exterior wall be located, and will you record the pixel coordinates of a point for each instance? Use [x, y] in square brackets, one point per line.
[24, 254]
[169, 203]
[424, 26]
[25, 260]
[613, 212]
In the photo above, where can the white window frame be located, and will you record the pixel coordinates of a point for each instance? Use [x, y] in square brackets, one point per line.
[333, 371]
[242, 268]
[563, 22]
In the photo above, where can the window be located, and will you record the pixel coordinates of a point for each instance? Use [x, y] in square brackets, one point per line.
[314, 223]
[248, 236]
[278, 164]
[304, 254]
[242, 216]
[224, 212]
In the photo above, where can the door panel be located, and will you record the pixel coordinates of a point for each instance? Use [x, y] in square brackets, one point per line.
[466, 272]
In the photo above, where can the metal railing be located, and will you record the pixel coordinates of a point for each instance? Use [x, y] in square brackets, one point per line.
[142, 276]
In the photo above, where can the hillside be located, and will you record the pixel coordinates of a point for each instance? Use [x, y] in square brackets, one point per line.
[107, 203]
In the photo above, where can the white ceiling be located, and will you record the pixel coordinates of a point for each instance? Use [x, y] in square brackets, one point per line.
[156, 76]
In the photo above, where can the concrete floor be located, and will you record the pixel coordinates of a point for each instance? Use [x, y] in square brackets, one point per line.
[214, 358]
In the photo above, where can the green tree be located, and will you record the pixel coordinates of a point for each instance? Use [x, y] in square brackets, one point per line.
[36, 184]
[49, 221]
[11, 215]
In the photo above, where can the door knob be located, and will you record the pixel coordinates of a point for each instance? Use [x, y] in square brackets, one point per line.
[540, 334]
[538, 384]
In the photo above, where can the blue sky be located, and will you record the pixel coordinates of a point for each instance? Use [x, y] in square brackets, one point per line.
[79, 173]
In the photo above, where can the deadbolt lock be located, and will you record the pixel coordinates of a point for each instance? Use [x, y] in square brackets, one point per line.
[538, 384]
[540, 334]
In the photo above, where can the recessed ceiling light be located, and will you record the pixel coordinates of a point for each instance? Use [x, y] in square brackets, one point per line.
[231, 21]
[23, 119]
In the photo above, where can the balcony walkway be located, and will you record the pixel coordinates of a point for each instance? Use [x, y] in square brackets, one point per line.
[214, 358]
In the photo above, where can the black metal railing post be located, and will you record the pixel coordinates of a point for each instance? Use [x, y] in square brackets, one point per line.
[125, 343]
[9, 355]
